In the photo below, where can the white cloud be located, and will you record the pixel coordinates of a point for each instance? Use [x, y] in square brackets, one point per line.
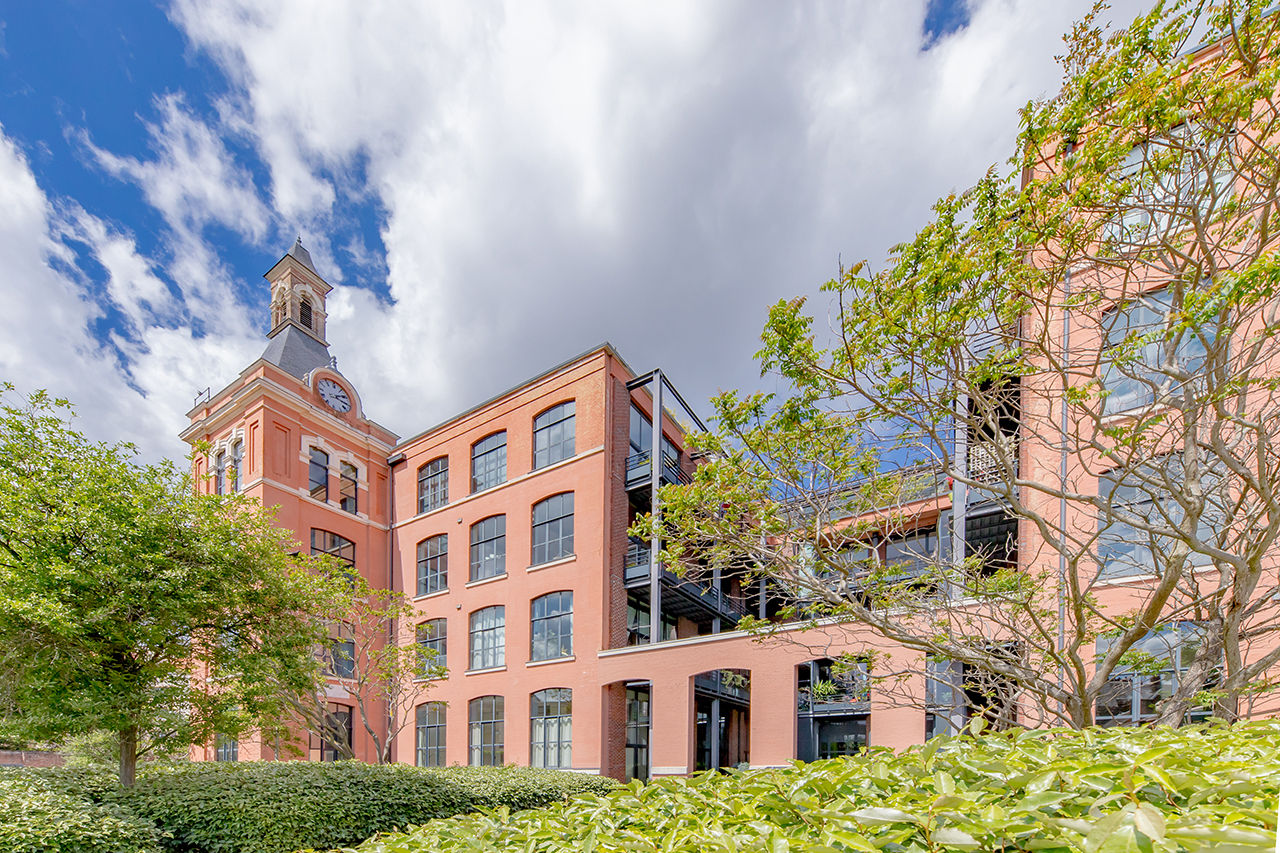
[551, 174]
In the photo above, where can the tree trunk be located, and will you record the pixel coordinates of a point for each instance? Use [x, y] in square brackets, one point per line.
[128, 756]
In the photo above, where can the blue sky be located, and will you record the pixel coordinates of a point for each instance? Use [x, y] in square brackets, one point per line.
[492, 187]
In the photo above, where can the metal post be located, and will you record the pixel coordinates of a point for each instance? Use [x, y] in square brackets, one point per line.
[713, 731]
[959, 491]
[719, 597]
[655, 510]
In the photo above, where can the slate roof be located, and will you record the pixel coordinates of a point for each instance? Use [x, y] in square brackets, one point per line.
[295, 352]
[300, 253]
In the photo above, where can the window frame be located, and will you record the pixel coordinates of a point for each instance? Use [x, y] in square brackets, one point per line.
[551, 628]
[487, 644]
[237, 466]
[542, 724]
[494, 461]
[433, 484]
[348, 488]
[1184, 639]
[430, 719]
[549, 444]
[225, 748]
[487, 551]
[316, 484]
[437, 640]
[1137, 383]
[433, 568]
[486, 733]
[544, 547]
[337, 546]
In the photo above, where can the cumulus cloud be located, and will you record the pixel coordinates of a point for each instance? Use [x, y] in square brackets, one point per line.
[546, 176]
[554, 175]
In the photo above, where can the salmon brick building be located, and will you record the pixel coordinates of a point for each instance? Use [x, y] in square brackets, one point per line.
[564, 644]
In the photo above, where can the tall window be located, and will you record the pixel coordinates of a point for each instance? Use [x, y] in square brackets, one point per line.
[489, 548]
[431, 636]
[337, 732]
[429, 751]
[553, 435]
[489, 462]
[1140, 497]
[637, 737]
[220, 474]
[340, 657]
[488, 637]
[226, 748]
[433, 484]
[1148, 674]
[1139, 341]
[318, 475]
[551, 728]
[832, 709]
[348, 480]
[433, 564]
[304, 311]
[339, 547]
[552, 626]
[484, 715]
[553, 528]
[237, 466]
[946, 707]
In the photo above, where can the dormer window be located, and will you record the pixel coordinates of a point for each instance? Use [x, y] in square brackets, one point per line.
[304, 312]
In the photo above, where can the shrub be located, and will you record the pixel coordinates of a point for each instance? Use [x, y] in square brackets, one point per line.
[1198, 788]
[40, 819]
[279, 807]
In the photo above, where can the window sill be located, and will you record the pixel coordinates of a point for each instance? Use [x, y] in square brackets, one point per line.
[436, 594]
[559, 561]
[569, 659]
[444, 677]
[500, 577]
[502, 668]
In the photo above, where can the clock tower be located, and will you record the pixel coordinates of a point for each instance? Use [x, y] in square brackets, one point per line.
[291, 431]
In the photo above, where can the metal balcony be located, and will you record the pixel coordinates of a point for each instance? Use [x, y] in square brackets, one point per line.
[639, 471]
[681, 596]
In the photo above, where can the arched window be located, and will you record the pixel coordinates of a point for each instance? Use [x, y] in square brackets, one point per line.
[237, 465]
[304, 312]
[489, 462]
[430, 735]
[433, 484]
[551, 728]
[485, 724]
[553, 529]
[324, 542]
[553, 435]
[551, 626]
[489, 548]
[433, 564]
[489, 638]
[432, 636]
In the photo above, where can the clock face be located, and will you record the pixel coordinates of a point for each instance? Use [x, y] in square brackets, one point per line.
[333, 395]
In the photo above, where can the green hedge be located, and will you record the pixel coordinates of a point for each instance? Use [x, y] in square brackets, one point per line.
[1098, 791]
[258, 807]
[43, 819]
[279, 807]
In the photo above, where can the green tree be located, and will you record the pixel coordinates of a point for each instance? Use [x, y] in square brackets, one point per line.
[375, 654]
[1088, 339]
[131, 602]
